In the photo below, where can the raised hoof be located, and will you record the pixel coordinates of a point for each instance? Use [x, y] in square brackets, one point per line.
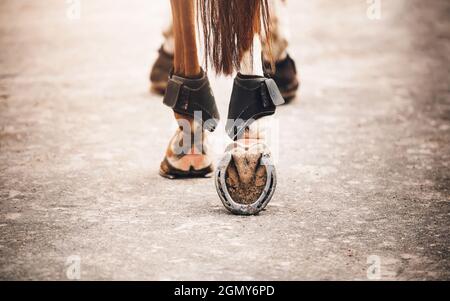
[166, 170]
[245, 178]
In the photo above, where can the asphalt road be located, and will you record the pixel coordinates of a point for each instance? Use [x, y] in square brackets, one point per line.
[364, 152]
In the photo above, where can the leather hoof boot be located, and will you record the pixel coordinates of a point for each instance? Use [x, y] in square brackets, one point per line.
[285, 76]
[252, 97]
[194, 98]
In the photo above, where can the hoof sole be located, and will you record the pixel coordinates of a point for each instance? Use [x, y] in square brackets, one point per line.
[225, 192]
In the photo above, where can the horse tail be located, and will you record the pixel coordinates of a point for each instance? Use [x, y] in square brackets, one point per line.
[229, 27]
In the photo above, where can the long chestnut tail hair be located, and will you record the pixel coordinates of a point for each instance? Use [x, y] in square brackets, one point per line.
[229, 27]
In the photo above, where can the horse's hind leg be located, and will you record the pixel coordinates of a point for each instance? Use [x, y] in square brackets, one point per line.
[189, 95]
[285, 71]
[163, 64]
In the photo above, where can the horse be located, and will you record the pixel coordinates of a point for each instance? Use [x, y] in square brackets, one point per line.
[233, 32]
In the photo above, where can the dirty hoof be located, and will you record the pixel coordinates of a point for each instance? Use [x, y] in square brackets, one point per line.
[186, 155]
[245, 178]
[168, 171]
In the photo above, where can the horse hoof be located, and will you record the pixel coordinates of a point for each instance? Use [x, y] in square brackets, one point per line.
[245, 178]
[167, 171]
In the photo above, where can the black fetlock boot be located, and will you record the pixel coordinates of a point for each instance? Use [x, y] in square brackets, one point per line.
[285, 76]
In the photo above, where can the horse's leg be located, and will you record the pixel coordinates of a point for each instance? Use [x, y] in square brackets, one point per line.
[188, 93]
[245, 178]
[279, 31]
[285, 73]
[244, 169]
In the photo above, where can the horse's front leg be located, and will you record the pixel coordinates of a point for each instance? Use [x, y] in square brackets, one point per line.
[189, 94]
[245, 177]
